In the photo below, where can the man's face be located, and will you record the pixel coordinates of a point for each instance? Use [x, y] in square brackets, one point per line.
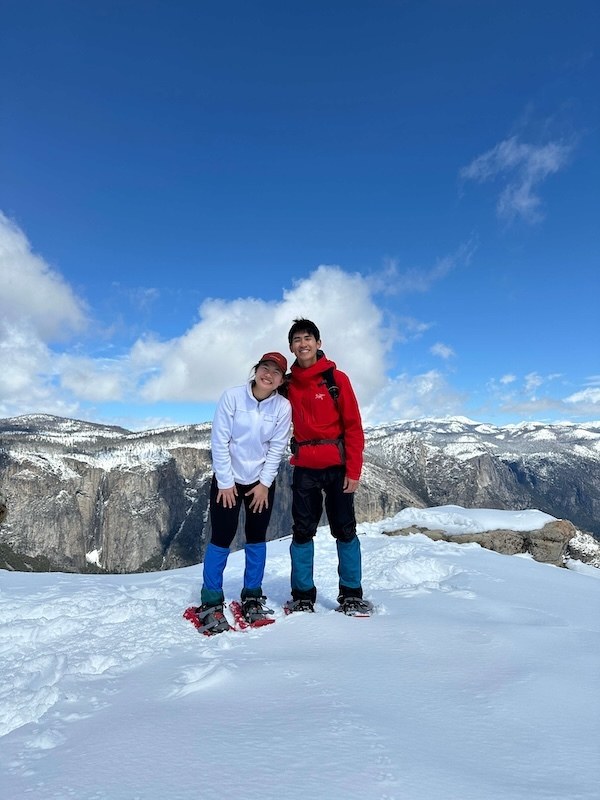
[304, 346]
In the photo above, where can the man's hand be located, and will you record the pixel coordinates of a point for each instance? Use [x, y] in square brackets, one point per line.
[350, 485]
[260, 498]
[227, 496]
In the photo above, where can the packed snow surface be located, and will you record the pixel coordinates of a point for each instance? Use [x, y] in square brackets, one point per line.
[457, 520]
[477, 679]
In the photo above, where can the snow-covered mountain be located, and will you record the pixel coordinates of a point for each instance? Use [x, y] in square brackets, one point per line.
[82, 496]
[552, 467]
[476, 680]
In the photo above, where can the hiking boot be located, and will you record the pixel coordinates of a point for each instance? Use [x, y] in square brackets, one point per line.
[298, 605]
[255, 610]
[355, 606]
[213, 619]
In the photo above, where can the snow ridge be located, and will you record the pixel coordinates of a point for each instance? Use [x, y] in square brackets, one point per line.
[473, 680]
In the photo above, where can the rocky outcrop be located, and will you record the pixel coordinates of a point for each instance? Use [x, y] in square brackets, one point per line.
[585, 548]
[548, 544]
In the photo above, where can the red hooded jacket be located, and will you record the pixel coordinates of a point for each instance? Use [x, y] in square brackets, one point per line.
[316, 415]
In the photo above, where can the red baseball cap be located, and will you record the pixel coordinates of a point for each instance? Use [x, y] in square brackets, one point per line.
[277, 358]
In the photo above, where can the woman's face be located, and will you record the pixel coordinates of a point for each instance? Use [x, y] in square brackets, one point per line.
[268, 375]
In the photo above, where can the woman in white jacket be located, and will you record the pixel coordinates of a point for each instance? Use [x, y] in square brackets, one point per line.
[250, 431]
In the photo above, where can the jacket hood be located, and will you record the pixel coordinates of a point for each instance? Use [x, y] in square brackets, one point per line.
[305, 373]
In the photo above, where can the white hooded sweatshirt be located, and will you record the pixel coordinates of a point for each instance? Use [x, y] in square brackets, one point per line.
[249, 436]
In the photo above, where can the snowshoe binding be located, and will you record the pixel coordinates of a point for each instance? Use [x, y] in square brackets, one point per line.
[355, 607]
[251, 613]
[292, 606]
[210, 619]
[255, 611]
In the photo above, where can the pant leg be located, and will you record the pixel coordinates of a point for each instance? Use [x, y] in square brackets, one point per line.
[257, 522]
[255, 549]
[224, 523]
[350, 567]
[302, 557]
[215, 559]
[255, 556]
[307, 503]
[339, 506]
[307, 507]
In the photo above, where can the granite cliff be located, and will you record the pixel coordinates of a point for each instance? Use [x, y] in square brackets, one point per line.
[86, 497]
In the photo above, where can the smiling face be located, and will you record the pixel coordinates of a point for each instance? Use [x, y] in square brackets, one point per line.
[267, 379]
[304, 346]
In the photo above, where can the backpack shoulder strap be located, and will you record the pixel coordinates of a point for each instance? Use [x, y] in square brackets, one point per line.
[332, 388]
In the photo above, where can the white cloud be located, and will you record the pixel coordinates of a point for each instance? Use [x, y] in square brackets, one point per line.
[533, 381]
[232, 335]
[23, 356]
[442, 350]
[584, 403]
[33, 296]
[589, 396]
[37, 308]
[411, 397]
[96, 380]
[528, 402]
[523, 167]
[393, 280]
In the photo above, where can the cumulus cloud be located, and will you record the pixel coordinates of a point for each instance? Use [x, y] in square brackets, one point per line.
[37, 309]
[522, 167]
[33, 295]
[232, 335]
[97, 380]
[24, 356]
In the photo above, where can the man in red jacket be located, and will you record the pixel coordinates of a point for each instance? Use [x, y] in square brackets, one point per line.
[327, 456]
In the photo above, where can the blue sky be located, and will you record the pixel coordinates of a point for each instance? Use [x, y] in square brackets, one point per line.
[179, 181]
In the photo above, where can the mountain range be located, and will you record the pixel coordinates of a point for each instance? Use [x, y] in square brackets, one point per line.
[82, 496]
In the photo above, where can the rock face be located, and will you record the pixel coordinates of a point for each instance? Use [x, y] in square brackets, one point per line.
[549, 544]
[84, 497]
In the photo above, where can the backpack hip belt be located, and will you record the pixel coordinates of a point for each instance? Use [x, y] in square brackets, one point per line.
[339, 442]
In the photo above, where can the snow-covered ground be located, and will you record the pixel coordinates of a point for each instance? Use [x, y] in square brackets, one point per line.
[478, 679]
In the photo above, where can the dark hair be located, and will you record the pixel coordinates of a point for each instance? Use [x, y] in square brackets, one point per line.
[303, 326]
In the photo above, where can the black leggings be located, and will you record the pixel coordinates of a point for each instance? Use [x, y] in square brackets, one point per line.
[224, 521]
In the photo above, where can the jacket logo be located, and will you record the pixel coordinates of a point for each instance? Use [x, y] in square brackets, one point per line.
[319, 395]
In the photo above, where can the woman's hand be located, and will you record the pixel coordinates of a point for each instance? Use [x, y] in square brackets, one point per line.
[260, 498]
[227, 496]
